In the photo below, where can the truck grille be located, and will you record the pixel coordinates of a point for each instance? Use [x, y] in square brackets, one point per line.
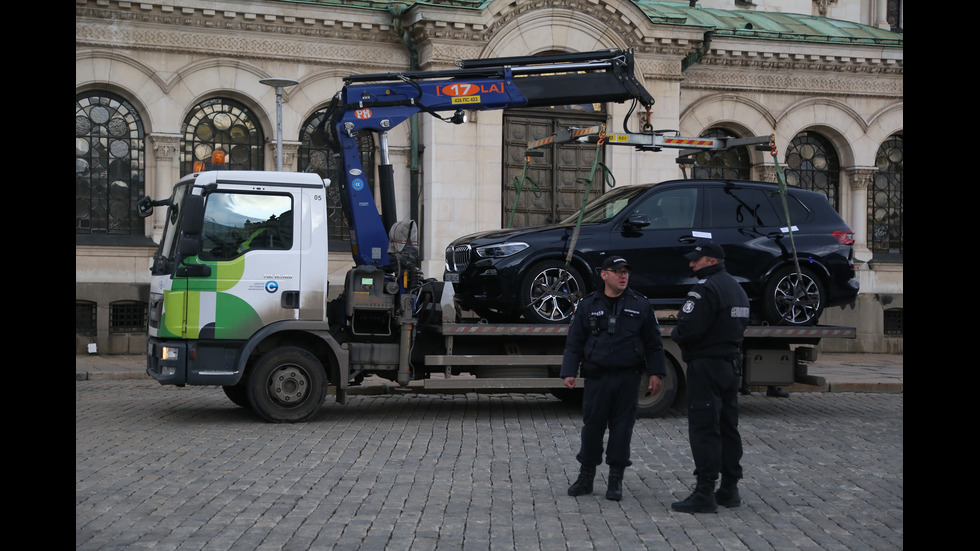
[457, 258]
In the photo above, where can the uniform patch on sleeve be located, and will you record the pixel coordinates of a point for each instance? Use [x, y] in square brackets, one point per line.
[740, 311]
[688, 307]
[694, 294]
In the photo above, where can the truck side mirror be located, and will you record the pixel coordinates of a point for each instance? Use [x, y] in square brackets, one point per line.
[193, 221]
[190, 244]
[144, 207]
[191, 226]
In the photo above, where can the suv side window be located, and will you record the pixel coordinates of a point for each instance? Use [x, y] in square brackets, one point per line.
[671, 209]
[798, 212]
[736, 207]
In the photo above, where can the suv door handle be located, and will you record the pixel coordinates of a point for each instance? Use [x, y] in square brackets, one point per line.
[774, 235]
[687, 239]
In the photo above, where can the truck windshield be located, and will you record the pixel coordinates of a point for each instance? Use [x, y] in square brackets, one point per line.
[163, 263]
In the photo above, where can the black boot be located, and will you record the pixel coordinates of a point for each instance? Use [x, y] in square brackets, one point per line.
[583, 485]
[727, 493]
[776, 392]
[615, 489]
[701, 501]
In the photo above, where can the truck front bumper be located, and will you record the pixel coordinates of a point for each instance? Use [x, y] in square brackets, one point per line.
[166, 361]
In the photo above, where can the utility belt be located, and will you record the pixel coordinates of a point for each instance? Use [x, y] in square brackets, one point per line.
[594, 370]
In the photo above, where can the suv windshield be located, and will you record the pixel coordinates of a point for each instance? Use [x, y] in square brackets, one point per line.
[607, 206]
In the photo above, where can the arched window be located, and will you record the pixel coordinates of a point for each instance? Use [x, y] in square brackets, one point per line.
[885, 215]
[812, 163]
[109, 165]
[317, 155]
[221, 124]
[731, 164]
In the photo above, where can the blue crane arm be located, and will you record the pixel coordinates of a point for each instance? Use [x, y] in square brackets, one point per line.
[380, 102]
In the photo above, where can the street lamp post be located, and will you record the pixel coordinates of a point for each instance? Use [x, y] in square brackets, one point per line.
[278, 84]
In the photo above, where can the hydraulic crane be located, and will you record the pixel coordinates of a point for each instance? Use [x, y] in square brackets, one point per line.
[380, 102]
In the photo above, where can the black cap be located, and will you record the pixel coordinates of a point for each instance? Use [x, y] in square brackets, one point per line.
[614, 263]
[706, 249]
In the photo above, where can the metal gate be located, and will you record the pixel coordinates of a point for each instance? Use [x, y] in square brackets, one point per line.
[550, 189]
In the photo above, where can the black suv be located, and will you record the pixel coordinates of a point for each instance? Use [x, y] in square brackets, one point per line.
[504, 274]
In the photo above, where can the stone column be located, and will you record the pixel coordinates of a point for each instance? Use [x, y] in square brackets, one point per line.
[766, 173]
[166, 148]
[859, 178]
[881, 15]
[290, 153]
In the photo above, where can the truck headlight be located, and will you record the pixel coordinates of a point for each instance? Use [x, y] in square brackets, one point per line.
[500, 250]
[168, 353]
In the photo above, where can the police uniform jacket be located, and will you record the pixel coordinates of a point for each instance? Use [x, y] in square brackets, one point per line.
[712, 321]
[600, 345]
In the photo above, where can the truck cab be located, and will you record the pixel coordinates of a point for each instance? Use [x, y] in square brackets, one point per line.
[241, 252]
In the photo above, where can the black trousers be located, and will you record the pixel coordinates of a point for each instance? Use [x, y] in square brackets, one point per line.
[712, 416]
[609, 402]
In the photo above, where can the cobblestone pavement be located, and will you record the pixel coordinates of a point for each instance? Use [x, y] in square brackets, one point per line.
[168, 468]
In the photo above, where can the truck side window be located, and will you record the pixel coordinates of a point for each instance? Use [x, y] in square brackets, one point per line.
[238, 222]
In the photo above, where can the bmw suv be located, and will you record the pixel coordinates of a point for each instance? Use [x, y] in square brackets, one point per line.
[539, 273]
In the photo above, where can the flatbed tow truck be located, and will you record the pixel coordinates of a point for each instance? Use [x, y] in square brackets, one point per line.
[239, 291]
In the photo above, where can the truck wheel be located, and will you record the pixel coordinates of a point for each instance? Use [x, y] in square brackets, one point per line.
[786, 303]
[550, 291]
[238, 394]
[655, 405]
[287, 385]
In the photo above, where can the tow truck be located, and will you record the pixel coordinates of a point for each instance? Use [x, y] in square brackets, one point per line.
[239, 289]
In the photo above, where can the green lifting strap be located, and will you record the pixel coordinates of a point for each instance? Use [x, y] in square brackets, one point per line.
[588, 186]
[789, 224]
[519, 185]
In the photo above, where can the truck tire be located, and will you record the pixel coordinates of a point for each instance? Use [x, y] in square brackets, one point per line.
[651, 405]
[550, 291]
[287, 385]
[785, 304]
[238, 394]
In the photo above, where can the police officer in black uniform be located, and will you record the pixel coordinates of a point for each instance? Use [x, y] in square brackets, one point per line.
[709, 331]
[613, 338]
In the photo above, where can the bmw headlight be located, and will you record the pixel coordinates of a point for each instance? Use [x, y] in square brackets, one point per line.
[500, 250]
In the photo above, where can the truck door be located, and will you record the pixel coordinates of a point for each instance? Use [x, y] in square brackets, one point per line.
[250, 241]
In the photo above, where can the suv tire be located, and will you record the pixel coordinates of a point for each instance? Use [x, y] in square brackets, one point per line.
[783, 304]
[550, 291]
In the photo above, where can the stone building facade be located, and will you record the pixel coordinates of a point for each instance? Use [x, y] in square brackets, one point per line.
[824, 76]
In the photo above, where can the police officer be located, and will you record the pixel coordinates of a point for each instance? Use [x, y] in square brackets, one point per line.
[709, 331]
[613, 339]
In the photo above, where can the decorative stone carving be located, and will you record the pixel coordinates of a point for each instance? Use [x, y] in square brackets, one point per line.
[165, 146]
